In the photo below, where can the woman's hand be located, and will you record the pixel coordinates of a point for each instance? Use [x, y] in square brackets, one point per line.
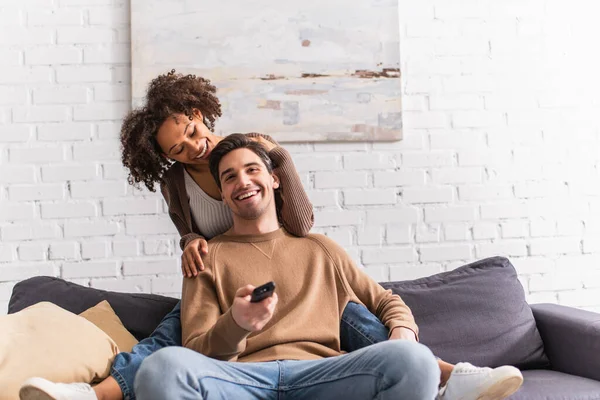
[191, 259]
[265, 143]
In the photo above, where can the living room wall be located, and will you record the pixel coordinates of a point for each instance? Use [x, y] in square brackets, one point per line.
[500, 156]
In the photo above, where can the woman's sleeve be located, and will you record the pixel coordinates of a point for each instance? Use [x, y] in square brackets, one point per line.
[296, 211]
[294, 208]
[185, 231]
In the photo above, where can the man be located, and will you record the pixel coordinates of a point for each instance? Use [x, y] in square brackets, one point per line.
[288, 344]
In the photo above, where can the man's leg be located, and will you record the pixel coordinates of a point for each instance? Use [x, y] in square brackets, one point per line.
[360, 328]
[183, 374]
[396, 369]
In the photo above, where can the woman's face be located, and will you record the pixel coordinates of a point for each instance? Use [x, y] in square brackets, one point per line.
[187, 141]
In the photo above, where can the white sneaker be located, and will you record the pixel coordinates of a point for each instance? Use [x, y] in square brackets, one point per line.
[468, 382]
[42, 389]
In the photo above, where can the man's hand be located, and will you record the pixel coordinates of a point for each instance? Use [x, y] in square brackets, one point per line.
[403, 333]
[191, 259]
[252, 316]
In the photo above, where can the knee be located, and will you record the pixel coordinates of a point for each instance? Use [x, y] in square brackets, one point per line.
[162, 361]
[415, 363]
[416, 354]
[158, 372]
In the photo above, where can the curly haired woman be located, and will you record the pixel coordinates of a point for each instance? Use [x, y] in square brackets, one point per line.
[168, 142]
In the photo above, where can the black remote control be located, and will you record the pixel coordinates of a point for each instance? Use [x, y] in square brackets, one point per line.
[262, 292]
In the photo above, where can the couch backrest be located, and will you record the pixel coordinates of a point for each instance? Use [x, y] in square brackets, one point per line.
[139, 312]
[475, 313]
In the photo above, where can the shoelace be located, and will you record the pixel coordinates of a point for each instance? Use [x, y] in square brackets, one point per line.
[466, 368]
[80, 386]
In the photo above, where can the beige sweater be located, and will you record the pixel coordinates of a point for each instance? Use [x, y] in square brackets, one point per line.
[315, 279]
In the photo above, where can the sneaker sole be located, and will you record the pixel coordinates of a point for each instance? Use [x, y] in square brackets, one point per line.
[502, 389]
[31, 392]
[507, 380]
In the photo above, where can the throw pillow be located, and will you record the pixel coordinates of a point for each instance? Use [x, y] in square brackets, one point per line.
[103, 316]
[476, 313]
[47, 341]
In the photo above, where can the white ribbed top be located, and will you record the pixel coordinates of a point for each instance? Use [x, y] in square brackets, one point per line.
[212, 217]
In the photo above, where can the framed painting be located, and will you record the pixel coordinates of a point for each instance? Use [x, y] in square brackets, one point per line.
[317, 70]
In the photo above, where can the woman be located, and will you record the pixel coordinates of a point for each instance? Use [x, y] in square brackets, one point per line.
[168, 141]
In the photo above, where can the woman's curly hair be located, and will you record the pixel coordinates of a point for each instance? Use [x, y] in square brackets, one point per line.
[168, 94]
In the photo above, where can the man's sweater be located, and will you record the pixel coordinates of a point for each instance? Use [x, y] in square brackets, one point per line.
[315, 279]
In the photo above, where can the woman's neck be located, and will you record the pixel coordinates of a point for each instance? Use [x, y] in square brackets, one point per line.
[203, 178]
[197, 168]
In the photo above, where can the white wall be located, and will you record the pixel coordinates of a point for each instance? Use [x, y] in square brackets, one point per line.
[501, 152]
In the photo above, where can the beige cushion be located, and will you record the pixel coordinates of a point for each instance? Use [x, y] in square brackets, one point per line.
[103, 316]
[47, 341]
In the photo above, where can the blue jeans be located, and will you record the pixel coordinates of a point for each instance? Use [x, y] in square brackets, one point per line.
[358, 328]
[395, 369]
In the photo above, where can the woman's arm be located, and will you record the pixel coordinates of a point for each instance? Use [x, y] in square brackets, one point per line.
[295, 209]
[177, 215]
[192, 243]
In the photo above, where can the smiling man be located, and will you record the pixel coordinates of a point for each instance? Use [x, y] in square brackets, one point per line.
[287, 344]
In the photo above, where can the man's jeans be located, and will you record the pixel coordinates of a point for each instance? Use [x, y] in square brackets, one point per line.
[394, 369]
[358, 328]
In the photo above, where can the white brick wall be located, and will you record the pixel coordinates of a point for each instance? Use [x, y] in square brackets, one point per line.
[500, 156]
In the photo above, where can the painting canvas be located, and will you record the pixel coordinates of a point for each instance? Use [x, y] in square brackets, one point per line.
[316, 70]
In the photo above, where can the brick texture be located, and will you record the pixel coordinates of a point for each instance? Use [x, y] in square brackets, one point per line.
[499, 156]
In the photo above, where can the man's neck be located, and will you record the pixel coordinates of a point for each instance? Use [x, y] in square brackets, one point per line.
[259, 226]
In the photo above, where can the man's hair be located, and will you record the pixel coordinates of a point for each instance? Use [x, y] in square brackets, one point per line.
[167, 95]
[234, 142]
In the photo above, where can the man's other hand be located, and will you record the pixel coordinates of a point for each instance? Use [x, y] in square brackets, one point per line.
[252, 316]
[403, 333]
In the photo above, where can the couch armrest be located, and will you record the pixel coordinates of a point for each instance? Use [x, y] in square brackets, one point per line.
[571, 338]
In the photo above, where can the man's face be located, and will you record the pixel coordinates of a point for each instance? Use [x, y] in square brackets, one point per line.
[246, 184]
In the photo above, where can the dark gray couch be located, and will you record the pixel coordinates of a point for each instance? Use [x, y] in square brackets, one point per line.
[475, 313]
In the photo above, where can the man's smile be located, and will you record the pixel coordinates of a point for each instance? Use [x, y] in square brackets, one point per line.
[246, 195]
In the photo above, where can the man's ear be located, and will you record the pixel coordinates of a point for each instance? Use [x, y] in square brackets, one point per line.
[275, 182]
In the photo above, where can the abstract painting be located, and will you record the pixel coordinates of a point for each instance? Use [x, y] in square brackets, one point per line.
[316, 70]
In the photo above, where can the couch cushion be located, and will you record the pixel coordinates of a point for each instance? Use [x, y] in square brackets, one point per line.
[47, 341]
[475, 313]
[548, 385]
[103, 316]
[139, 312]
